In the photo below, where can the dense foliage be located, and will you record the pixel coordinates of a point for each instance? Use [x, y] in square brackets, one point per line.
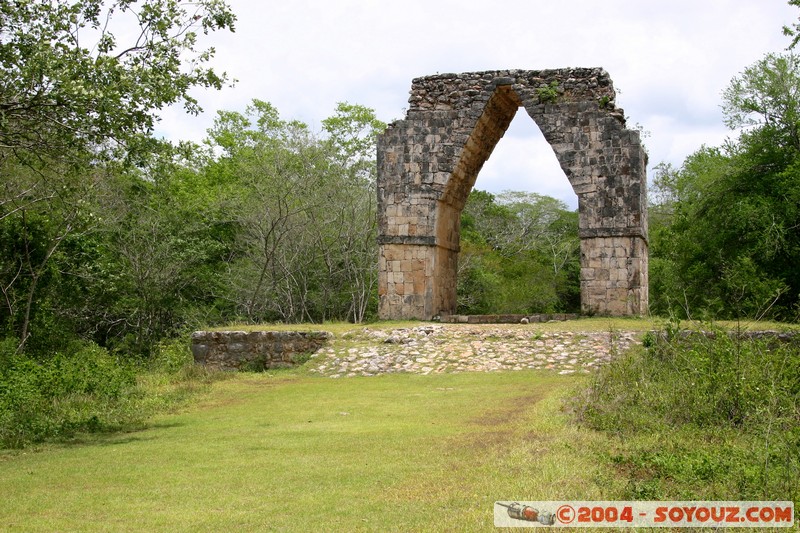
[725, 243]
[725, 237]
[112, 240]
[78, 104]
[266, 222]
[71, 84]
[519, 254]
[725, 409]
[81, 84]
[110, 236]
[300, 214]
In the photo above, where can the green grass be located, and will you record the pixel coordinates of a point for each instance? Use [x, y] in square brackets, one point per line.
[593, 324]
[288, 452]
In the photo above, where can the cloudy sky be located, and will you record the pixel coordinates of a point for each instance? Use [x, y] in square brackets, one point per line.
[669, 60]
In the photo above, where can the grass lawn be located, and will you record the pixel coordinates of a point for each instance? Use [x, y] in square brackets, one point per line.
[291, 452]
[580, 325]
[400, 452]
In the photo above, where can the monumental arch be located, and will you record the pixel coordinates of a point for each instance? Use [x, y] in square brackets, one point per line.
[428, 164]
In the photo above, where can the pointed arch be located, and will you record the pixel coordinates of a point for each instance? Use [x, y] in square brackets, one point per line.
[428, 164]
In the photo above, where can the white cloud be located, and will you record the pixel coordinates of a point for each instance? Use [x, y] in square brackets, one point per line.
[523, 161]
[671, 60]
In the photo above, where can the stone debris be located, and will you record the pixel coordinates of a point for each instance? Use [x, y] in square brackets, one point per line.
[466, 348]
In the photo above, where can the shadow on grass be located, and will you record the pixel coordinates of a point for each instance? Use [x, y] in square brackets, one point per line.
[117, 436]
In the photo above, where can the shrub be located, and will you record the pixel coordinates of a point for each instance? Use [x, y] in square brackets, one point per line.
[172, 356]
[702, 415]
[548, 93]
[80, 389]
[86, 389]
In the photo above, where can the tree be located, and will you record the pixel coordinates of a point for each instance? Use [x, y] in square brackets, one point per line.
[794, 30]
[520, 254]
[352, 136]
[77, 102]
[766, 96]
[304, 209]
[158, 259]
[729, 243]
[70, 84]
[353, 133]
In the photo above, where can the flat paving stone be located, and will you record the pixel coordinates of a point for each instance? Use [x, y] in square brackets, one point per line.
[467, 348]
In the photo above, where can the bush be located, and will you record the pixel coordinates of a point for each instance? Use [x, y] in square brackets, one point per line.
[702, 415]
[81, 389]
[172, 356]
[85, 389]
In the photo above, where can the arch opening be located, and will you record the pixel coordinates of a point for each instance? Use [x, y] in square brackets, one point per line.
[524, 161]
[519, 249]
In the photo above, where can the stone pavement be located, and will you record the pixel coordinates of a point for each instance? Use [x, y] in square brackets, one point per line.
[467, 348]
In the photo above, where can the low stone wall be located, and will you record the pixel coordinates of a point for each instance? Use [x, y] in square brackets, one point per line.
[506, 319]
[255, 350]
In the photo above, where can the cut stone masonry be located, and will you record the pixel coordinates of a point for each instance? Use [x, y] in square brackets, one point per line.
[255, 350]
[428, 164]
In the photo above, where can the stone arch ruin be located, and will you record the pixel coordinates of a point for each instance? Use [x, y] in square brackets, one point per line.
[428, 164]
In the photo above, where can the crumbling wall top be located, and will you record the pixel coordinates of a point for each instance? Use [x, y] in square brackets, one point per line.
[442, 92]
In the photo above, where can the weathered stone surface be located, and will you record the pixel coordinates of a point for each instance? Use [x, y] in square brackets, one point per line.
[469, 348]
[428, 164]
[234, 350]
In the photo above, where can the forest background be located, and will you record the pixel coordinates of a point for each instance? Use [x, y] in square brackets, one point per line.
[113, 241]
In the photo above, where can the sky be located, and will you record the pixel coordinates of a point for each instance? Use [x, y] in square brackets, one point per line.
[669, 61]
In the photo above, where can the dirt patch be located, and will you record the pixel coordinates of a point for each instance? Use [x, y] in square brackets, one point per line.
[509, 410]
[497, 427]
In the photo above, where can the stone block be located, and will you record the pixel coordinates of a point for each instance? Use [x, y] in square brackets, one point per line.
[232, 350]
